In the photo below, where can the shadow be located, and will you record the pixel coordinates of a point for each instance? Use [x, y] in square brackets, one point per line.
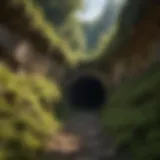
[86, 93]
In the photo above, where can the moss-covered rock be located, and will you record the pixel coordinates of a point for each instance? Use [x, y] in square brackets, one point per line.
[26, 114]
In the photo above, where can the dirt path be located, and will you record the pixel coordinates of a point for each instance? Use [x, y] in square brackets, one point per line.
[81, 139]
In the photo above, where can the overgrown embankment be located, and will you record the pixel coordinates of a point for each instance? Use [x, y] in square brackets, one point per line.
[132, 115]
[26, 114]
[26, 18]
[27, 101]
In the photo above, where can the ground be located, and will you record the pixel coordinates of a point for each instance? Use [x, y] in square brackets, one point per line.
[82, 139]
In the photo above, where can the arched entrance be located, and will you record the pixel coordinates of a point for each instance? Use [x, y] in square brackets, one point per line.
[87, 92]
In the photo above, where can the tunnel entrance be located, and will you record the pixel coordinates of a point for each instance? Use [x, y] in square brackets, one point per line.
[86, 93]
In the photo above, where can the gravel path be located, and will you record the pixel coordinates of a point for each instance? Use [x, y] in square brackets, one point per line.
[81, 139]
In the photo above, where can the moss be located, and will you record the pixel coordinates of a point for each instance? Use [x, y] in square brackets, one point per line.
[132, 116]
[27, 117]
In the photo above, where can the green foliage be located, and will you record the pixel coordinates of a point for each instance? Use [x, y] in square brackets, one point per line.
[29, 21]
[39, 29]
[27, 116]
[132, 116]
[100, 54]
[38, 20]
[73, 34]
[58, 11]
[62, 16]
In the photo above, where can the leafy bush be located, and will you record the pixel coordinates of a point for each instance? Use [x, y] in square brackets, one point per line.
[26, 115]
[133, 116]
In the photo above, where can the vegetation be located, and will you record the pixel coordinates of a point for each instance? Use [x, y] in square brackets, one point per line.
[108, 33]
[103, 46]
[62, 15]
[73, 33]
[25, 103]
[33, 24]
[104, 34]
[94, 30]
[132, 116]
[132, 113]
[35, 17]
[58, 11]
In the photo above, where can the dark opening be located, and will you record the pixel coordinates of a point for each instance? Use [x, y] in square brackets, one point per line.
[87, 92]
